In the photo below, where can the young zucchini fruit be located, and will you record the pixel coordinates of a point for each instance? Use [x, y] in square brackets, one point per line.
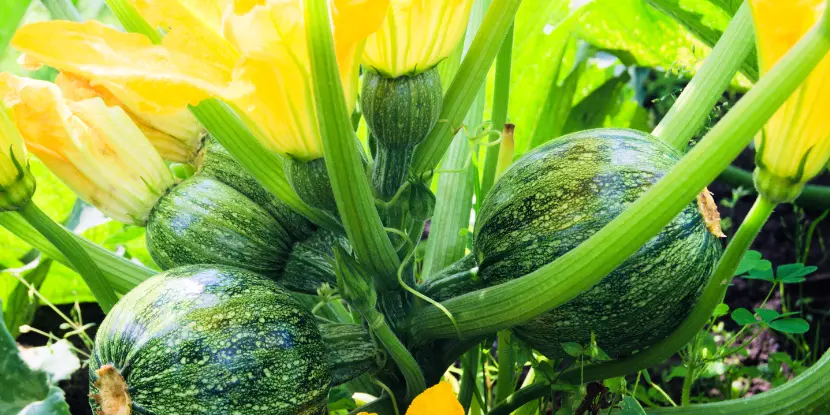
[557, 196]
[222, 215]
[209, 340]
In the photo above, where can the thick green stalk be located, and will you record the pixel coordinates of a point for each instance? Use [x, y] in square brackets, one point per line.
[415, 383]
[493, 308]
[691, 110]
[122, 274]
[802, 395]
[506, 381]
[72, 250]
[62, 10]
[501, 95]
[812, 196]
[352, 191]
[223, 124]
[712, 296]
[11, 15]
[708, 35]
[454, 197]
[466, 83]
[132, 21]
[469, 366]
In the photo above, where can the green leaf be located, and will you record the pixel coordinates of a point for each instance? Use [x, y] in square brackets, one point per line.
[793, 272]
[677, 372]
[11, 14]
[592, 111]
[572, 349]
[766, 314]
[743, 317]
[720, 310]
[790, 325]
[21, 386]
[630, 406]
[749, 262]
[760, 274]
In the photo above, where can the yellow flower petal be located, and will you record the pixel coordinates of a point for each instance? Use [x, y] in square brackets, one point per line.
[273, 86]
[148, 78]
[795, 143]
[437, 400]
[95, 149]
[416, 35]
[176, 136]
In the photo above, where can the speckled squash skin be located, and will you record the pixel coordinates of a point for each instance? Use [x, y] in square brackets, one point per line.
[557, 196]
[218, 340]
[218, 163]
[204, 221]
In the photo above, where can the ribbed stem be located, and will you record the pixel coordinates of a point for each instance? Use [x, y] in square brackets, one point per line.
[391, 169]
[121, 273]
[131, 20]
[62, 10]
[691, 110]
[72, 250]
[415, 383]
[351, 351]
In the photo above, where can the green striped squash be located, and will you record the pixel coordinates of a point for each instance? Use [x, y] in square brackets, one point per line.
[557, 196]
[207, 341]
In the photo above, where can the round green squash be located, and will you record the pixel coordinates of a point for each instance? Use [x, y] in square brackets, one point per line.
[559, 195]
[204, 221]
[208, 340]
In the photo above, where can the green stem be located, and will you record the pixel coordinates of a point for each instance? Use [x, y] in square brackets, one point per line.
[689, 379]
[491, 309]
[691, 110]
[466, 83]
[121, 273]
[415, 383]
[74, 252]
[223, 124]
[501, 95]
[813, 196]
[62, 10]
[454, 196]
[712, 296]
[469, 367]
[801, 395]
[506, 381]
[352, 191]
[132, 21]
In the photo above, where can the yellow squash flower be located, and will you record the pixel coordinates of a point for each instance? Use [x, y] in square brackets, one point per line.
[95, 149]
[250, 53]
[794, 146]
[416, 35]
[16, 181]
[174, 131]
[437, 400]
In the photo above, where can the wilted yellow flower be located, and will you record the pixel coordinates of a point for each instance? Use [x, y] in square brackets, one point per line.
[95, 149]
[416, 35]
[16, 181]
[794, 146]
[174, 131]
[251, 53]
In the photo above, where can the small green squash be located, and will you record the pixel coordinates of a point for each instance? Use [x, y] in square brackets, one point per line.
[204, 221]
[209, 340]
[557, 196]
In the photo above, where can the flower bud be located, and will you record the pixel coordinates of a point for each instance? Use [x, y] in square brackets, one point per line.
[17, 185]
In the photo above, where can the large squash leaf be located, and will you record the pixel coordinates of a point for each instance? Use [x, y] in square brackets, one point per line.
[24, 391]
